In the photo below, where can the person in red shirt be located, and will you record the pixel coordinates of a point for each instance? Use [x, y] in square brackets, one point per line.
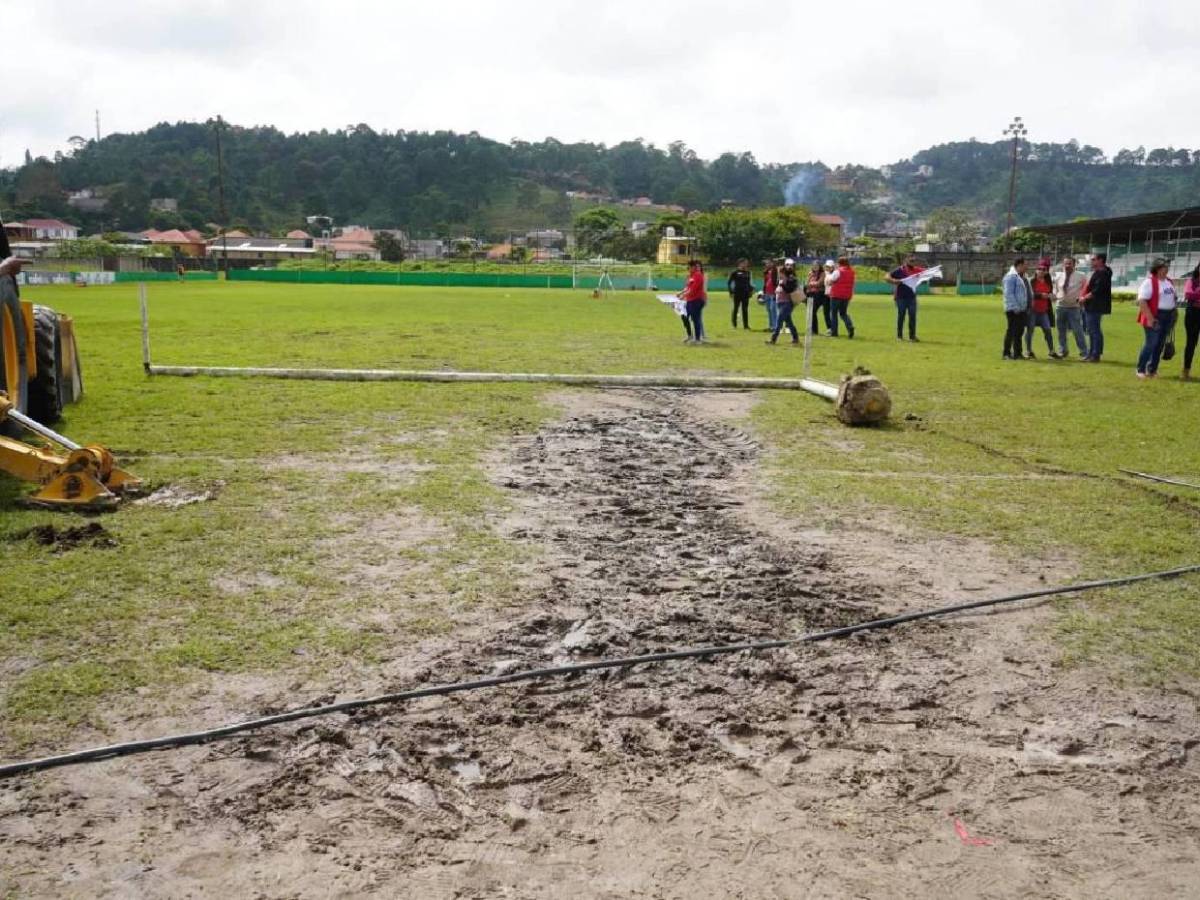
[1039, 309]
[695, 296]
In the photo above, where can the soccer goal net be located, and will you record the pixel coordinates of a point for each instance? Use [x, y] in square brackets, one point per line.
[607, 277]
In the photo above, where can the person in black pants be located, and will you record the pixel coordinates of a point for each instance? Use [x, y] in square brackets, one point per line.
[789, 284]
[1191, 321]
[741, 289]
[814, 290]
[1017, 297]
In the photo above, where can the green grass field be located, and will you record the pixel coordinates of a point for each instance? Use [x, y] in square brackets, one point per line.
[319, 482]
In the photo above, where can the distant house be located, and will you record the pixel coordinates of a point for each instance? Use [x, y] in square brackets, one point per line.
[545, 237]
[52, 230]
[676, 251]
[164, 204]
[354, 242]
[180, 243]
[639, 228]
[260, 249]
[545, 254]
[643, 201]
[85, 200]
[426, 248]
[500, 252]
[925, 171]
[18, 231]
[837, 223]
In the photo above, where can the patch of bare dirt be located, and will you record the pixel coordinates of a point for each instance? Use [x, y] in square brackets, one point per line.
[952, 757]
[60, 540]
[173, 496]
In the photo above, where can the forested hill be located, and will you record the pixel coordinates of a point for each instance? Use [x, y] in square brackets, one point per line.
[445, 180]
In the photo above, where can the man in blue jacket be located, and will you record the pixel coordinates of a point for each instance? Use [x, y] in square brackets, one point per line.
[1017, 295]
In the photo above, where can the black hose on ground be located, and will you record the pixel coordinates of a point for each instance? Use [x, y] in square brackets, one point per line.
[202, 737]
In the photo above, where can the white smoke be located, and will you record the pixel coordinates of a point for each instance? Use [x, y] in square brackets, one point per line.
[796, 192]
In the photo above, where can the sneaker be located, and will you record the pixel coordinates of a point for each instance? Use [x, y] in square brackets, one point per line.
[687, 340]
[1029, 355]
[1142, 375]
[914, 339]
[899, 337]
[850, 334]
[770, 343]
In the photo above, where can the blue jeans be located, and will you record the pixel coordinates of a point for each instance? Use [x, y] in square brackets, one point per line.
[840, 312]
[1156, 339]
[1071, 319]
[695, 312]
[906, 306]
[1036, 321]
[785, 319]
[772, 312]
[1093, 323]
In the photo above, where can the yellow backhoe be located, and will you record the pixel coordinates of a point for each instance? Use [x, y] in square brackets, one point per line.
[39, 375]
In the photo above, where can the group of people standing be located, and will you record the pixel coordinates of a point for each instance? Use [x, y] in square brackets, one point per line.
[1067, 301]
[827, 289]
[1075, 304]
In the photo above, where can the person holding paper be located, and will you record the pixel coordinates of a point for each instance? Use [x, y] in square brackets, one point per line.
[905, 297]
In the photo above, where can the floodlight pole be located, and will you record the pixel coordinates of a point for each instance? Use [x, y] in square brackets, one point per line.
[1018, 131]
[218, 125]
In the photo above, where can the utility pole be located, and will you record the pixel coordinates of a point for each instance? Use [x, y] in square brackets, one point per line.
[218, 126]
[1017, 130]
[97, 126]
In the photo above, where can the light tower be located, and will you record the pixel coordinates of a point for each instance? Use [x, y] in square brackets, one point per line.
[1017, 131]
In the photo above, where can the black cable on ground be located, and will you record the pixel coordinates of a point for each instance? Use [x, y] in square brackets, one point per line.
[224, 731]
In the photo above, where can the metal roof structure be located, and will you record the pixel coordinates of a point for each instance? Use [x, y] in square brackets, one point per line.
[1135, 227]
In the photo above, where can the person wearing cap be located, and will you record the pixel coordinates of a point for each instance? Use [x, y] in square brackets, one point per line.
[905, 297]
[818, 300]
[1097, 303]
[1042, 289]
[839, 284]
[1068, 285]
[1157, 304]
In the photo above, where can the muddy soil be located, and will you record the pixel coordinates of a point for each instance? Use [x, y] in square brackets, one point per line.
[93, 534]
[947, 758]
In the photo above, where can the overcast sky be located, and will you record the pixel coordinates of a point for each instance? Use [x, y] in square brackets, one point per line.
[870, 81]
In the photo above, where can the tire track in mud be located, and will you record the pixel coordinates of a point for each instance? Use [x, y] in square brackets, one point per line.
[635, 507]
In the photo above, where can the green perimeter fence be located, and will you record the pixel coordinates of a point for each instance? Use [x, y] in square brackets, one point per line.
[164, 276]
[490, 279]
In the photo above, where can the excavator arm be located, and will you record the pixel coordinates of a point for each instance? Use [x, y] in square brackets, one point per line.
[80, 478]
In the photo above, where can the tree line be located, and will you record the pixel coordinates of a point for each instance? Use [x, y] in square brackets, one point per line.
[446, 181]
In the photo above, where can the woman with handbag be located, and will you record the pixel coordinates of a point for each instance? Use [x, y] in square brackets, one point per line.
[1156, 315]
[1191, 321]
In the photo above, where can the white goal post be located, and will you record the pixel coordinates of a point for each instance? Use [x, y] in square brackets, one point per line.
[607, 276]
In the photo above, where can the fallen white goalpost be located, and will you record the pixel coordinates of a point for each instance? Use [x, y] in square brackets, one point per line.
[859, 399]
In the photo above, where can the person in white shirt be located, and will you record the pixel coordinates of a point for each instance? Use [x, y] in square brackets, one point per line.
[1068, 285]
[1156, 314]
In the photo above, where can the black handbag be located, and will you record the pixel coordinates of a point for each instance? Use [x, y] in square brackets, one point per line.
[1169, 347]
